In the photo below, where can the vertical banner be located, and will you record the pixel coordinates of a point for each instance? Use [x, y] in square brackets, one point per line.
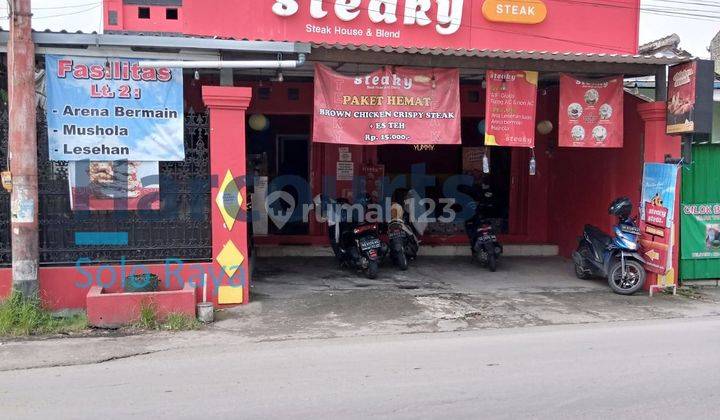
[690, 93]
[398, 105]
[104, 109]
[657, 216]
[591, 112]
[700, 224]
[510, 108]
[114, 185]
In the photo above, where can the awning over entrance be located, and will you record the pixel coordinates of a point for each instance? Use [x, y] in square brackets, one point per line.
[543, 61]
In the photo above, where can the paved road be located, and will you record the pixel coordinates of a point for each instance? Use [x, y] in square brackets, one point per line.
[650, 369]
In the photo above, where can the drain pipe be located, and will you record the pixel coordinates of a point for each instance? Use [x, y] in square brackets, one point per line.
[229, 64]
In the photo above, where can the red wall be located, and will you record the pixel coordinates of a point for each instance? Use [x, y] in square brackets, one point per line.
[609, 26]
[65, 287]
[583, 182]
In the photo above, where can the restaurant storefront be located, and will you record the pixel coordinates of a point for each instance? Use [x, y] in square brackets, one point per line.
[547, 177]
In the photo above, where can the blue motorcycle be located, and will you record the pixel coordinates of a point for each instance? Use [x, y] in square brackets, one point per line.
[615, 258]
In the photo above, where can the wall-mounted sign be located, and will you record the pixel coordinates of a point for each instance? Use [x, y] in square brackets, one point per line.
[114, 185]
[469, 24]
[525, 12]
[399, 105]
[700, 224]
[690, 97]
[510, 108]
[591, 112]
[112, 109]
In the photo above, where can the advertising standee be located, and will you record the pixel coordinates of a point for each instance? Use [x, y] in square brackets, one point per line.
[657, 217]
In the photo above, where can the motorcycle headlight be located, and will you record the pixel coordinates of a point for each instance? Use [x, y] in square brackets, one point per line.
[632, 245]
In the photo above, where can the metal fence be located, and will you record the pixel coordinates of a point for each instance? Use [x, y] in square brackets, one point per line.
[180, 229]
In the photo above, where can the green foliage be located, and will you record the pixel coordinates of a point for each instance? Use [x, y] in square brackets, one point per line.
[148, 320]
[24, 317]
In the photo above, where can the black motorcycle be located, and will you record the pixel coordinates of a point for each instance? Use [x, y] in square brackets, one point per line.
[403, 235]
[356, 244]
[483, 241]
[613, 257]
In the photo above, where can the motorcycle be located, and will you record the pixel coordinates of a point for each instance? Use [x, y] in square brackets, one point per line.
[356, 244]
[404, 234]
[485, 246]
[615, 258]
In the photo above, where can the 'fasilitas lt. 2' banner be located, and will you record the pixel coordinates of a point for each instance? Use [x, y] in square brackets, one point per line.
[112, 109]
[700, 231]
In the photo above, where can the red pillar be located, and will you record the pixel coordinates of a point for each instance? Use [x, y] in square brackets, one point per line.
[227, 107]
[657, 145]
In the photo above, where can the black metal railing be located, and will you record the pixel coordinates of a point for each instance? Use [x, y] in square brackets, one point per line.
[180, 229]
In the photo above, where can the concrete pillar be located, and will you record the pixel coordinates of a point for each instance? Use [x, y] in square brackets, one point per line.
[657, 146]
[227, 107]
[22, 150]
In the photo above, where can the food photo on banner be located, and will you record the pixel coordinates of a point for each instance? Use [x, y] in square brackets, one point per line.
[700, 224]
[393, 105]
[657, 216]
[114, 185]
[107, 109]
[510, 108]
[690, 97]
[591, 112]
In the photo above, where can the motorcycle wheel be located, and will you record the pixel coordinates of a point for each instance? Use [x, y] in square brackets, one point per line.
[372, 270]
[631, 282]
[402, 261]
[581, 273]
[492, 262]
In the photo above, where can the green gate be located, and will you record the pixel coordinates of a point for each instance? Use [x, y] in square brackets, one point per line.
[700, 185]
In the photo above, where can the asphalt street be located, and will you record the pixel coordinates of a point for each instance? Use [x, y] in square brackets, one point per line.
[648, 369]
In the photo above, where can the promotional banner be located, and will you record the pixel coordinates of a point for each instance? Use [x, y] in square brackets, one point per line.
[373, 174]
[657, 216]
[114, 185]
[112, 109]
[591, 112]
[510, 108]
[700, 224]
[690, 93]
[399, 105]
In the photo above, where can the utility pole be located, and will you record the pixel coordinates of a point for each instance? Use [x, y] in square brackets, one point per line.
[22, 150]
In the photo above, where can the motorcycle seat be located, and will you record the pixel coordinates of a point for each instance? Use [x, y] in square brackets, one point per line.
[597, 236]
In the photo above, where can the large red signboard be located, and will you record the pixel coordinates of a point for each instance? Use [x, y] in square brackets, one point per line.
[609, 26]
[591, 112]
[398, 105]
[510, 108]
[690, 103]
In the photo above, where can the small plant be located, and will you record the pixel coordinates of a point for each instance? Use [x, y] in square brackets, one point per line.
[23, 317]
[180, 322]
[148, 317]
[149, 320]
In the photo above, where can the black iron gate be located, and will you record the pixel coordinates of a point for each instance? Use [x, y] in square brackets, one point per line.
[180, 229]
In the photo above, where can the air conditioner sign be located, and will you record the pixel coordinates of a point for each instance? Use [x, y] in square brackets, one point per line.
[527, 12]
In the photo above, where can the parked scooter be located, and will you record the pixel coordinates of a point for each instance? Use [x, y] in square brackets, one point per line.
[615, 258]
[403, 233]
[356, 244]
[486, 249]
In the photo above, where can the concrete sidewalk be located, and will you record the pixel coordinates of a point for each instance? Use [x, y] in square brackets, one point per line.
[310, 298]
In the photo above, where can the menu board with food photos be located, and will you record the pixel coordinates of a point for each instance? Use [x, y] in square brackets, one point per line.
[591, 112]
[114, 185]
